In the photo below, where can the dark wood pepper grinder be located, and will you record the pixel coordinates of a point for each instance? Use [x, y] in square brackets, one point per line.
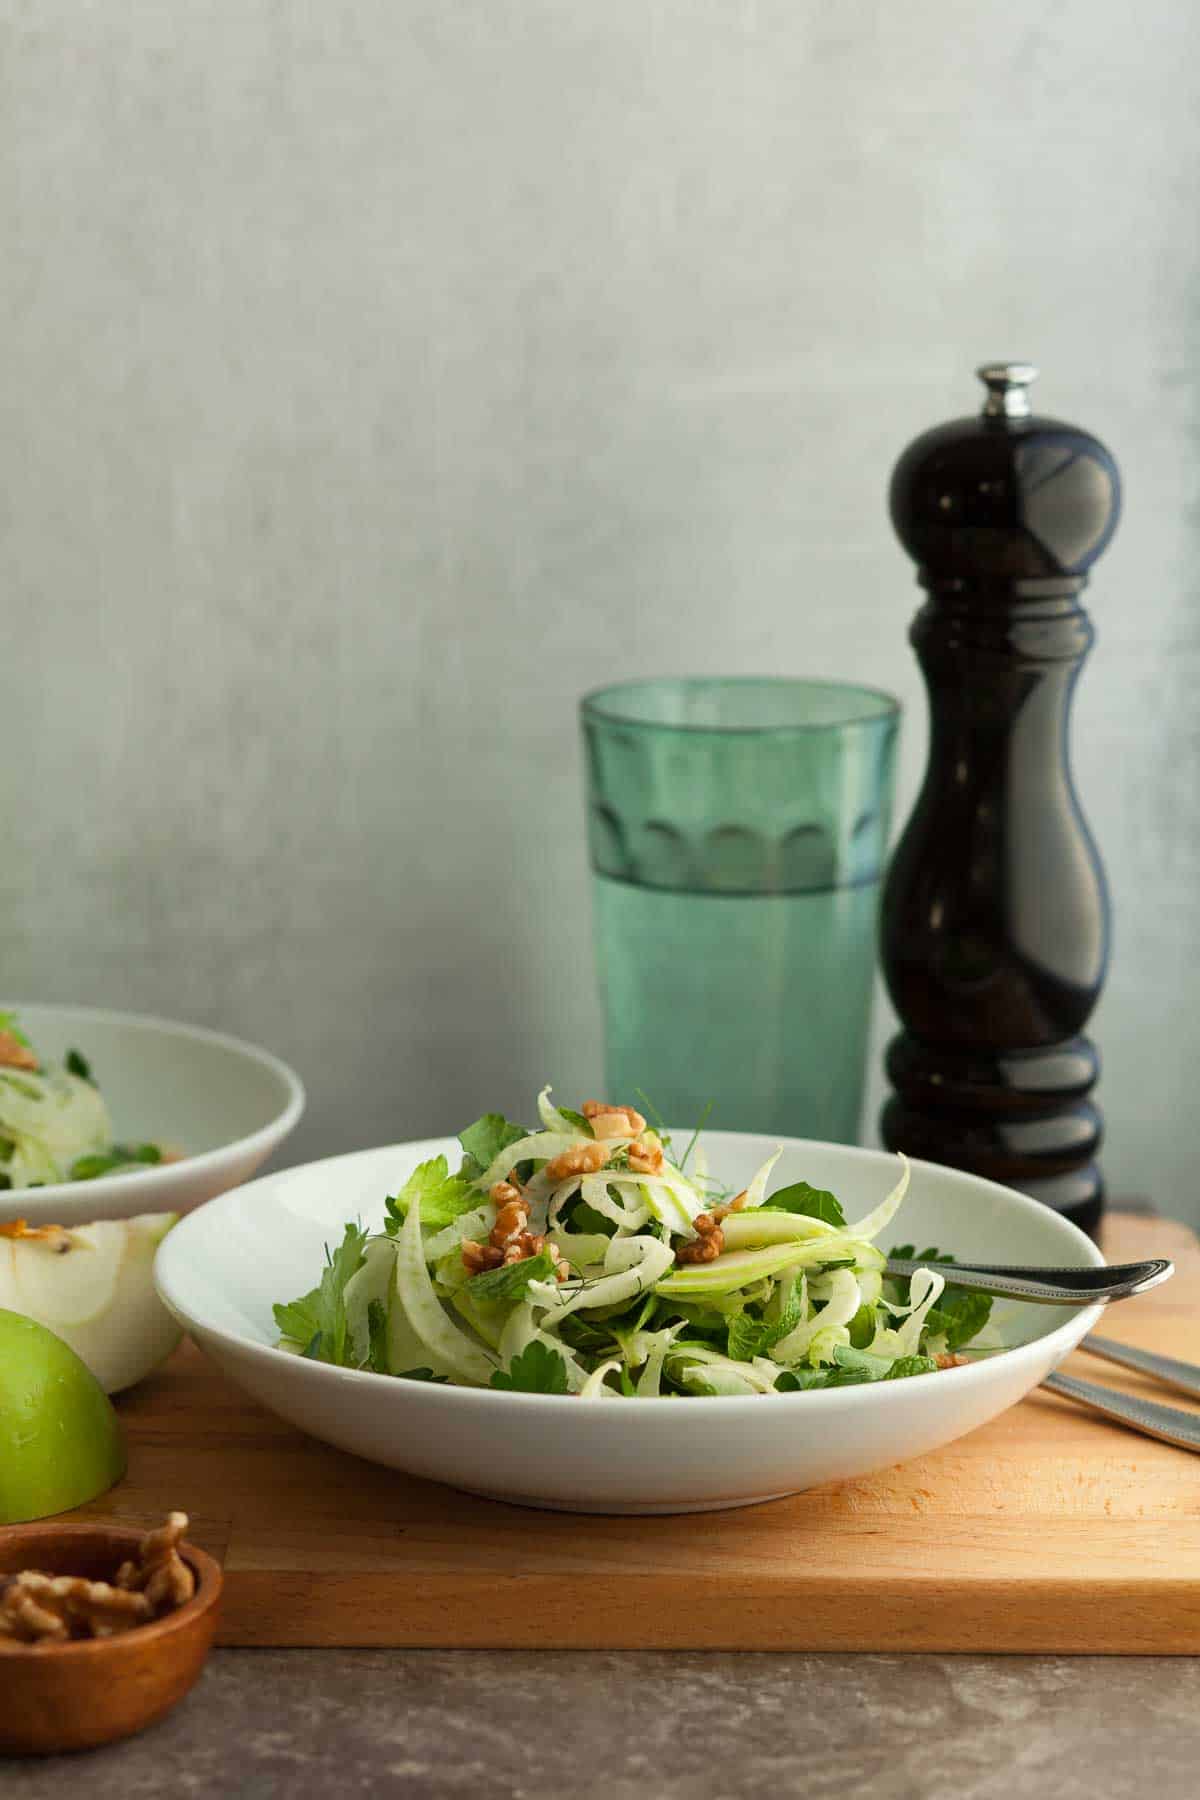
[995, 914]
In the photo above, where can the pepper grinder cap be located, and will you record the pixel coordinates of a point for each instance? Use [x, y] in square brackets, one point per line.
[1005, 498]
[1007, 384]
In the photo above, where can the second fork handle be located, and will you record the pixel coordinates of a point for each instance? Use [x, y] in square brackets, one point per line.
[1183, 1376]
[1170, 1423]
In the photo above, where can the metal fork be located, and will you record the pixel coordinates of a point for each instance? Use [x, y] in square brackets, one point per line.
[1170, 1423]
[1185, 1377]
[1086, 1287]
[1051, 1286]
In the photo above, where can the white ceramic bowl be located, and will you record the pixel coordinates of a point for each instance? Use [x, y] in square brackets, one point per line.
[220, 1271]
[225, 1104]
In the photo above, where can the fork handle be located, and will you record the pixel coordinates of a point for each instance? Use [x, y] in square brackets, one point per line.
[1169, 1423]
[1183, 1376]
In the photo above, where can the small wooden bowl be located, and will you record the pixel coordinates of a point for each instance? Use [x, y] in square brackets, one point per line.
[76, 1695]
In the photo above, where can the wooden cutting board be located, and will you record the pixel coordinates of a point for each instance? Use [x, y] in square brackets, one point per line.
[1048, 1530]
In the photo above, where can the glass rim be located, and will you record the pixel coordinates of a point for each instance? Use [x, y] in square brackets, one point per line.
[592, 704]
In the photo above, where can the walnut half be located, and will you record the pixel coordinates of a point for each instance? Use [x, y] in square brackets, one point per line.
[16, 1055]
[36, 1607]
[40, 1608]
[160, 1572]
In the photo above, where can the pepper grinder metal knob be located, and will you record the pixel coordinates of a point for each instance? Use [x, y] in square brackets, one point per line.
[995, 925]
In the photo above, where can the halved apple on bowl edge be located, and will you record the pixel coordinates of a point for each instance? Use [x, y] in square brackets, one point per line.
[92, 1286]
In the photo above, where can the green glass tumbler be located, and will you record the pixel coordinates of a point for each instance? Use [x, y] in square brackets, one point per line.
[738, 830]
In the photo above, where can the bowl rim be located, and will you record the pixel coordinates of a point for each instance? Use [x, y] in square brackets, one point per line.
[1078, 1322]
[210, 1581]
[40, 1203]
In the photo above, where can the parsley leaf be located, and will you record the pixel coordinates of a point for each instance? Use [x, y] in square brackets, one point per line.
[121, 1156]
[747, 1337]
[862, 1327]
[483, 1141]
[750, 1337]
[377, 1353]
[537, 1370]
[510, 1281]
[862, 1362]
[813, 1203]
[851, 1368]
[318, 1318]
[910, 1365]
[440, 1195]
[791, 1381]
[76, 1063]
[583, 1217]
[582, 1125]
[583, 1334]
[420, 1374]
[958, 1314]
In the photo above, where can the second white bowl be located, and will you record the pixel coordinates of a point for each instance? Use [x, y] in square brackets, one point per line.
[225, 1104]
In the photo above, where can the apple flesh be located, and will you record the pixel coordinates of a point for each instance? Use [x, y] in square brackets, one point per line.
[60, 1442]
[94, 1287]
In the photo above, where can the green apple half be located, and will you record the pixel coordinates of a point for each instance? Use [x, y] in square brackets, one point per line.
[60, 1442]
[94, 1287]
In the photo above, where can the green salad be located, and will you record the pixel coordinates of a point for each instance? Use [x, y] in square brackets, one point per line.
[582, 1257]
[54, 1125]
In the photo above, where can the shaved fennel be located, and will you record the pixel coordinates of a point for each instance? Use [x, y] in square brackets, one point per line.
[623, 1272]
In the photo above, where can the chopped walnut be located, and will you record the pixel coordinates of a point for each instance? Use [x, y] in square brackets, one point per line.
[700, 1250]
[583, 1159]
[562, 1267]
[510, 1240]
[511, 1220]
[646, 1157]
[160, 1572]
[36, 1607]
[478, 1257]
[707, 1245]
[950, 1359]
[613, 1121]
[53, 1237]
[16, 1055]
[22, 1617]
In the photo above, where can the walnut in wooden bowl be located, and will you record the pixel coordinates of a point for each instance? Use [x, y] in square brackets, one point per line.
[102, 1630]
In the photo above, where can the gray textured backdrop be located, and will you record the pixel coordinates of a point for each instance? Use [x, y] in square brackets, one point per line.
[376, 376]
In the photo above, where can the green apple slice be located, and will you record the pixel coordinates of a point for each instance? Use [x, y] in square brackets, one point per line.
[749, 1230]
[60, 1442]
[735, 1269]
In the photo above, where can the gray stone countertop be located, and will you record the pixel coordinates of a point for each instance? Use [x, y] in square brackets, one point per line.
[650, 1725]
